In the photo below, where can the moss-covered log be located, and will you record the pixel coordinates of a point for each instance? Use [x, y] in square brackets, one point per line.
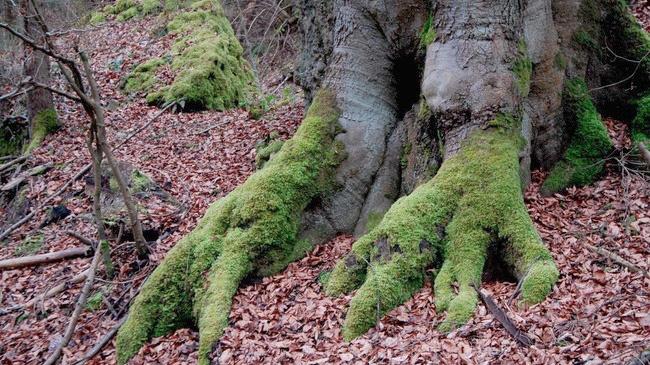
[584, 159]
[449, 222]
[252, 231]
[210, 71]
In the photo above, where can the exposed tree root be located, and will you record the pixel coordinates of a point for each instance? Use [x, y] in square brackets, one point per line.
[473, 201]
[252, 231]
[583, 161]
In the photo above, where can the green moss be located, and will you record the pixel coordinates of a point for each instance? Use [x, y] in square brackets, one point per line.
[128, 14]
[640, 126]
[523, 68]
[474, 199]
[30, 246]
[121, 6]
[143, 77]
[583, 160]
[428, 34]
[560, 61]
[211, 72]
[265, 153]
[94, 301]
[44, 123]
[629, 39]
[151, 6]
[583, 38]
[406, 151]
[374, 218]
[252, 231]
[97, 18]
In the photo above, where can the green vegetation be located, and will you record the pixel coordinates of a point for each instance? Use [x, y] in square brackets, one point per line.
[143, 77]
[252, 231]
[97, 18]
[474, 200]
[207, 58]
[94, 301]
[523, 68]
[583, 38]
[265, 153]
[583, 161]
[428, 34]
[640, 126]
[44, 123]
[30, 246]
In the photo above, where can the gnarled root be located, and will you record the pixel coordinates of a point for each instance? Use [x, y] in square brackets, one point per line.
[252, 231]
[474, 200]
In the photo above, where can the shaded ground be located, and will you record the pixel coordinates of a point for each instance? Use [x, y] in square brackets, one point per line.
[599, 312]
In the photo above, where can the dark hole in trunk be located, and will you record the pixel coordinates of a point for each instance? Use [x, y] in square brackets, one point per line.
[496, 269]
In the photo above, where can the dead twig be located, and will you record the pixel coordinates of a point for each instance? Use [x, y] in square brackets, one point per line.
[79, 306]
[503, 318]
[645, 153]
[618, 259]
[60, 287]
[102, 342]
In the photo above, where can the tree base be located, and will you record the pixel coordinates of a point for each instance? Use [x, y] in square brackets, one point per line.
[449, 222]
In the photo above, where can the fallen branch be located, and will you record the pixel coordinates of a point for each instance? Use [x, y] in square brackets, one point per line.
[45, 258]
[22, 177]
[503, 318]
[645, 153]
[79, 306]
[76, 177]
[211, 127]
[43, 205]
[60, 287]
[618, 259]
[7, 165]
[102, 342]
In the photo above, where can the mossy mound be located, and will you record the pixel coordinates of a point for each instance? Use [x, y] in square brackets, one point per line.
[449, 222]
[44, 123]
[252, 231]
[583, 160]
[210, 70]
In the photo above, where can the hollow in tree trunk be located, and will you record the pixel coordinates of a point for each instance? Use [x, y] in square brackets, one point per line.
[445, 104]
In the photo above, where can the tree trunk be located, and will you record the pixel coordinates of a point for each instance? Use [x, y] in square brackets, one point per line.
[40, 105]
[504, 85]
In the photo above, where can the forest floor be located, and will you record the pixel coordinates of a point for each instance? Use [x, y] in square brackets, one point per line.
[599, 312]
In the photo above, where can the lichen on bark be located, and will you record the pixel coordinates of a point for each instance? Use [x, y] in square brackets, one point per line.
[448, 222]
[251, 231]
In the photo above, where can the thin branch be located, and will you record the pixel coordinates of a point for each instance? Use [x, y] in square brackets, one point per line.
[502, 317]
[79, 306]
[625, 79]
[32, 43]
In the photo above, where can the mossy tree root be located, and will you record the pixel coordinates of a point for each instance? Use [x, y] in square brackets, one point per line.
[473, 201]
[252, 231]
[44, 123]
[583, 160]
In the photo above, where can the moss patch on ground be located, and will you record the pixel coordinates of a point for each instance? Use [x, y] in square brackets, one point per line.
[30, 246]
[583, 160]
[210, 70]
[44, 123]
[252, 231]
[474, 199]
